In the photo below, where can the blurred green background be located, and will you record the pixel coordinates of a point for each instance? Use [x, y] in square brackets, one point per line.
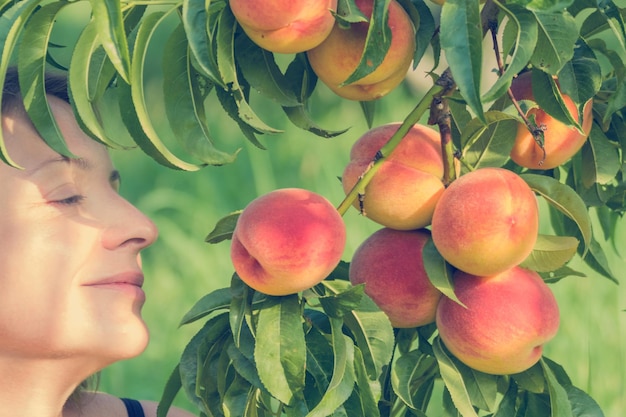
[180, 267]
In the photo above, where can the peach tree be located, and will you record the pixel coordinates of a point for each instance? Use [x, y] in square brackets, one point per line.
[330, 350]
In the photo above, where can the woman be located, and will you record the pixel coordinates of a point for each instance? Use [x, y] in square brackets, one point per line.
[70, 277]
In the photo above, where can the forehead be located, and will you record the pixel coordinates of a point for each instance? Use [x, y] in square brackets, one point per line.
[28, 149]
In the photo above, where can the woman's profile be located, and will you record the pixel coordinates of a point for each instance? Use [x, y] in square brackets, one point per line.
[70, 279]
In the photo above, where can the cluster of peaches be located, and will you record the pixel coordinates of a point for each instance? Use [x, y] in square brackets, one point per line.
[334, 51]
[484, 224]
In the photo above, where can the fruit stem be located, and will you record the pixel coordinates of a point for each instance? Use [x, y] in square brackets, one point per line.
[440, 115]
[536, 131]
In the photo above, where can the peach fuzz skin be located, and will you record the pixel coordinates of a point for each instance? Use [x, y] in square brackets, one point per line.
[286, 26]
[286, 241]
[506, 320]
[335, 59]
[486, 221]
[390, 264]
[561, 142]
[403, 192]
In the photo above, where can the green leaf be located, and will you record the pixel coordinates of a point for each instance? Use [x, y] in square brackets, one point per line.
[453, 381]
[342, 383]
[224, 228]
[184, 103]
[367, 393]
[548, 97]
[228, 70]
[581, 77]
[425, 26]
[509, 401]
[217, 300]
[12, 21]
[461, 40]
[557, 37]
[411, 373]
[582, 404]
[488, 143]
[201, 350]
[377, 42]
[563, 198]
[550, 253]
[544, 5]
[171, 389]
[439, 271]
[31, 63]
[559, 274]
[348, 12]
[87, 67]
[373, 334]
[524, 26]
[600, 159]
[262, 73]
[196, 23]
[559, 402]
[236, 397]
[531, 379]
[300, 117]
[112, 35]
[135, 111]
[343, 299]
[280, 351]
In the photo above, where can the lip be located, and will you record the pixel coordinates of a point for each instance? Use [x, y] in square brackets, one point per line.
[130, 281]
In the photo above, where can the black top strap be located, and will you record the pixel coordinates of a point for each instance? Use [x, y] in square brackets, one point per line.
[133, 407]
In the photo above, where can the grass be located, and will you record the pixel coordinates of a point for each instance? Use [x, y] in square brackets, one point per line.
[180, 267]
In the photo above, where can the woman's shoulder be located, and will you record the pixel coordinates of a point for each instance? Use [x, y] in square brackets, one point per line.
[99, 404]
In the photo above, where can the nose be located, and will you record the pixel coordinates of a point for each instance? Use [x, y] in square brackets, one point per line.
[129, 228]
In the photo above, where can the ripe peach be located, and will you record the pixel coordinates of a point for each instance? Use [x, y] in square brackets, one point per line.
[286, 241]
[335, 59]
[561, 142]
[506, 320]
[403, 192]
[285, 26]
[390, 264]
[486, 221]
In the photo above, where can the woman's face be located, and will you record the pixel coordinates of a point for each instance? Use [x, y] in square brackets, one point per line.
[70, 273]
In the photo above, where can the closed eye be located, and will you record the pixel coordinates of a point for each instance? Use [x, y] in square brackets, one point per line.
[70, 201]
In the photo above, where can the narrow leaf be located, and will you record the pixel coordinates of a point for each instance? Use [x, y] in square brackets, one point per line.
[342, 383]
[563, 198]
[82, 80]
[171, 389]
[551, 253]
[557, 37]
[12, 23]
[31, 63]
[461, 41]
[377, 42]
[184, 103]
[214, 301]
[439, 271]
[111, 32]
[453, 380]
[559, 402]
[488, 143]
[224, 228]
[135, 111]
[195, 21]
[525, 29]
[280, 351]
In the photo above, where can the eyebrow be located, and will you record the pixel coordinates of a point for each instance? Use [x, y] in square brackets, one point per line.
[81, 163]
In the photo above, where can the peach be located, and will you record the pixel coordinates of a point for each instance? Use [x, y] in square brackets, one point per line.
[486, 221]
[561, 142]
[403, 192]
[286, 241]
[504, 323]
[285, 26]
[389, 262]
[335, 59]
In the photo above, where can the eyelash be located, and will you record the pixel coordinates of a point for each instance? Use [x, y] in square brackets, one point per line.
[70, 201]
